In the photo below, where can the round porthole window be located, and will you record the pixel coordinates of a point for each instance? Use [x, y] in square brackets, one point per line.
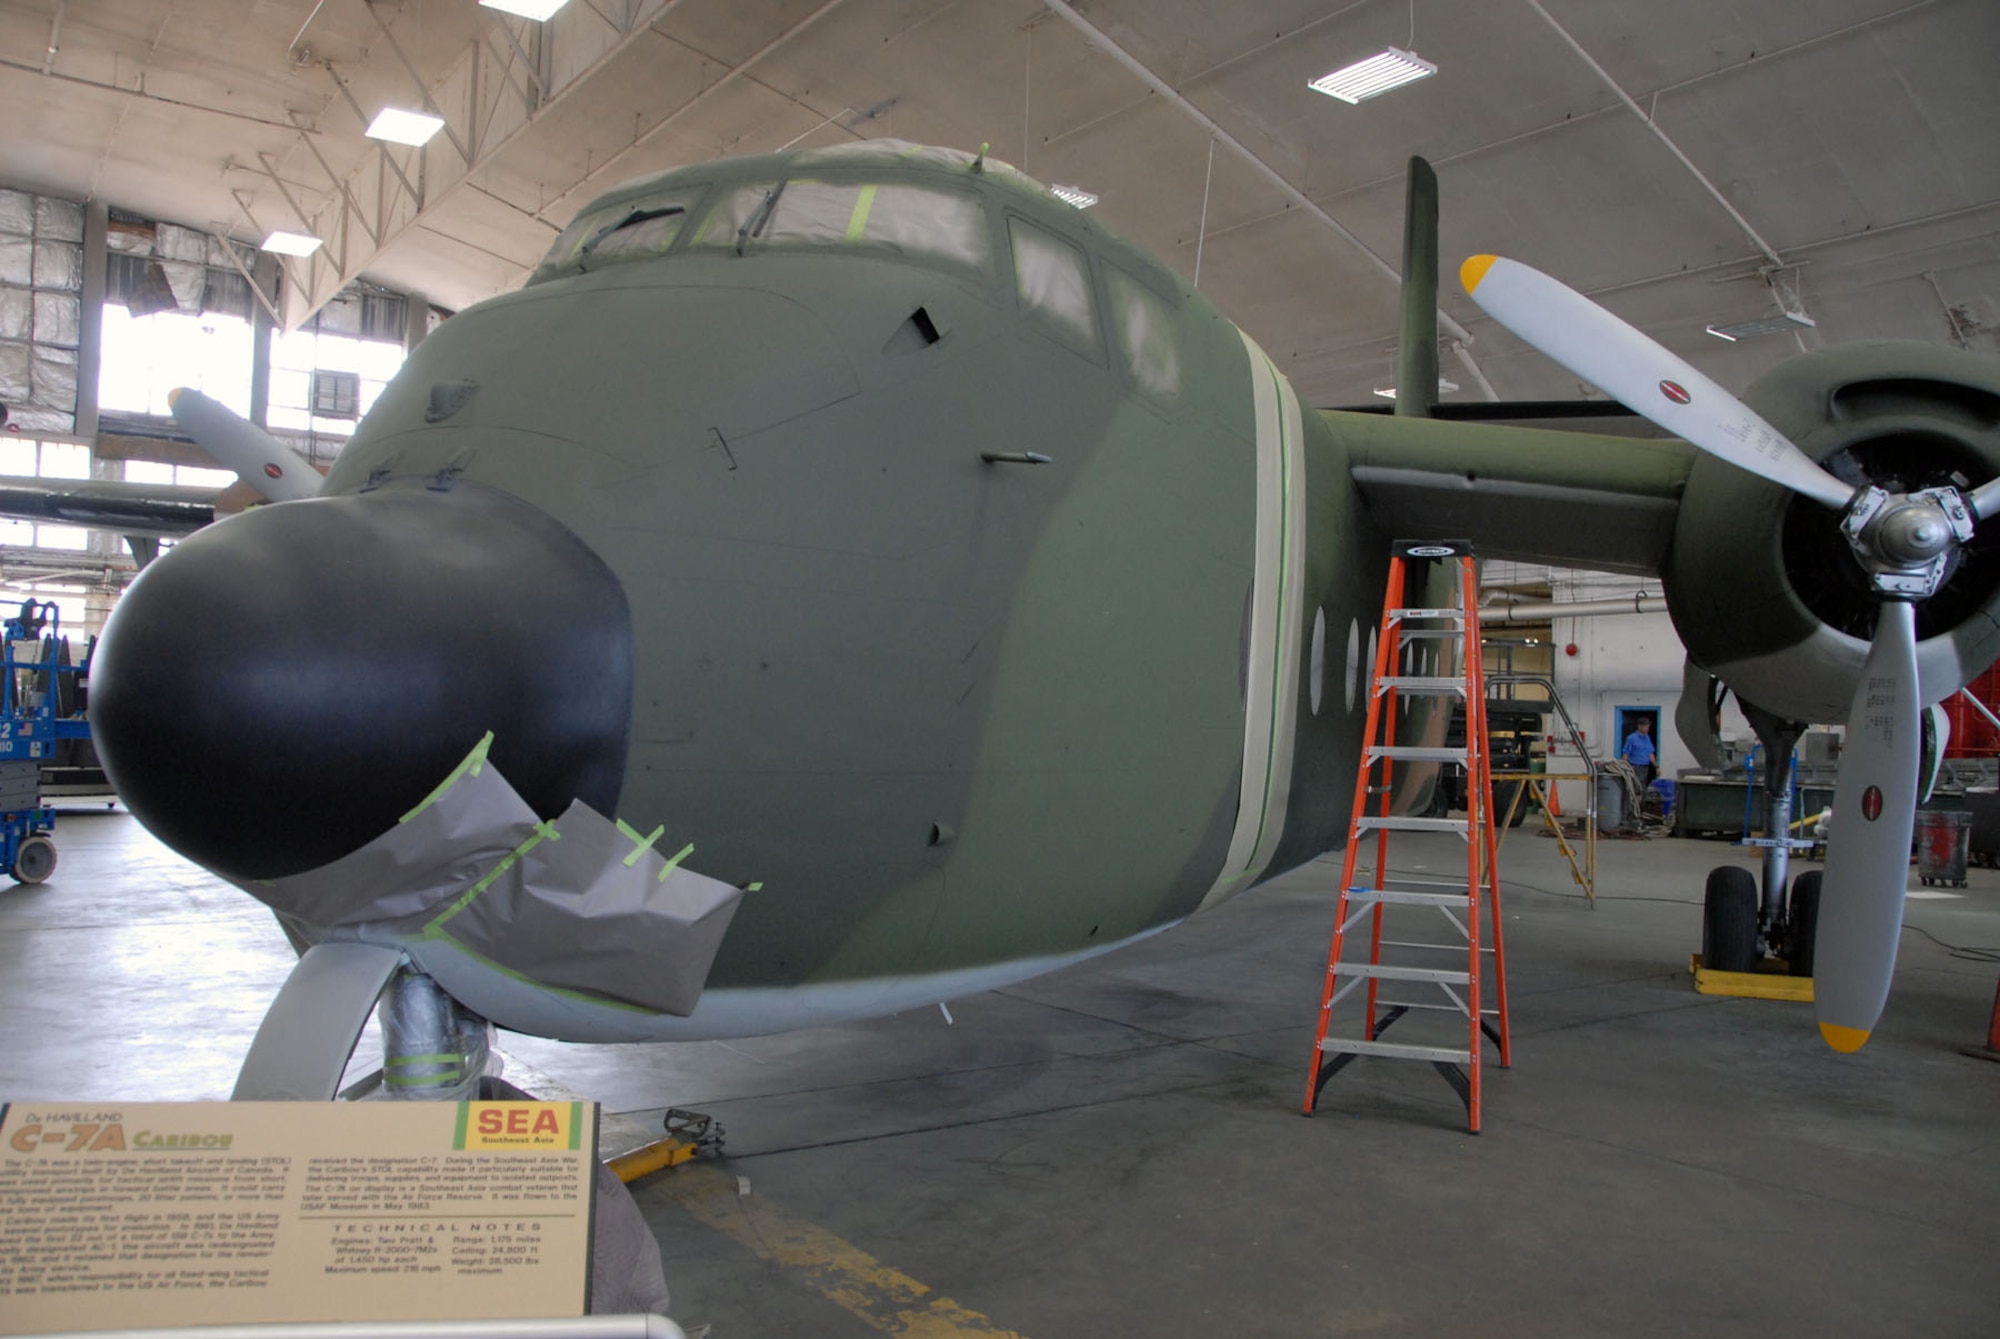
[1353, 661]
[1367, 668]
[1317, 680]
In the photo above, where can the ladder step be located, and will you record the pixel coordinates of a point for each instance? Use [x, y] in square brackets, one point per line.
[1416, 753]
[1390, 1050]
[1419, 683]
[1427, 613]
[1382, 971]
[1408, 899]
[1370, 822]
[1404, 882]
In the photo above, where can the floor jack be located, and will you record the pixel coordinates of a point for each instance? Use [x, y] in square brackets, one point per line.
[688, 1134]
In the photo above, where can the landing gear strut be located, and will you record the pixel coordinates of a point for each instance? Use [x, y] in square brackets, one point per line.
[1739, 927]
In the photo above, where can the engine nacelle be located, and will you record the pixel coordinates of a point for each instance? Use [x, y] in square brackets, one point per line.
[1761, 583]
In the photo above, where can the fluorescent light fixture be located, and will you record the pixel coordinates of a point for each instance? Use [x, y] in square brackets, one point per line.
[285, 243]
[1074, 195]
[1444, 388]
[1763, 325]
[1378, 74]
[403, 127]
[538, 10]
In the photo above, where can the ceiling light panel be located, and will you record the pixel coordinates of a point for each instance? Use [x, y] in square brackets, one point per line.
[284, 243]
[1763, 325]
[1444, 388]
[398, 126]
[538, 10]
[1376, 75]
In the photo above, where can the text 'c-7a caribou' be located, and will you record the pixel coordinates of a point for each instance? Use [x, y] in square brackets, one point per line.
[845, 580]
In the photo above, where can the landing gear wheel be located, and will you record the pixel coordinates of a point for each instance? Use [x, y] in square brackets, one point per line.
[1802, 923]
[1729, 920]
[35, 860]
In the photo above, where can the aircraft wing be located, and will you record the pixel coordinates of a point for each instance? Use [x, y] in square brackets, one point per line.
[151, 511]
[1575, 499]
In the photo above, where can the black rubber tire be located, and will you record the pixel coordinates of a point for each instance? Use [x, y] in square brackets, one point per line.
[1729, 920]
[1802, 923]
[35, 860]
[1503, 795]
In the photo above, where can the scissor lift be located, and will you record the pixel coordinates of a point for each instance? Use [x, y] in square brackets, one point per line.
[41, 700]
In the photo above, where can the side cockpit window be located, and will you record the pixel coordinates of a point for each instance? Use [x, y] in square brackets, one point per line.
[1052, 280]
[628, 231]
[1146, 334]
[801, 214]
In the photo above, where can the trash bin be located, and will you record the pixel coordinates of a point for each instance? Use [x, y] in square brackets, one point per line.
[1944, 838]
[1610, 802]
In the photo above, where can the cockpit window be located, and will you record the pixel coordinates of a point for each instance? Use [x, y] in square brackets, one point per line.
[643, 231]
[629, 230]
[906, 220]
[1054, 282]
[1145, 334]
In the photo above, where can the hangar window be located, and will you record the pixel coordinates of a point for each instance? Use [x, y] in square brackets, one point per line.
[911, 221]
[336, 394]
[1053, 281]
[1145, 334]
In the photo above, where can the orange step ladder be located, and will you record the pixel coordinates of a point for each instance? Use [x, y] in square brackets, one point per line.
[1459, 969]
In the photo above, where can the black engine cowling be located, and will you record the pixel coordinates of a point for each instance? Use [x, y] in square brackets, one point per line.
[1762, 585]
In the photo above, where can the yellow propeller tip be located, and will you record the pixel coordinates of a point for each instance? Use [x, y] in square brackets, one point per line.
[1846, 1040]
[174, 395]
[1474, 270]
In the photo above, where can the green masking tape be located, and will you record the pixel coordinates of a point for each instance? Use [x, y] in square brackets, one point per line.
[474, 762]
[543, 831]
[858, 223]
[675, 863]
[643, 844]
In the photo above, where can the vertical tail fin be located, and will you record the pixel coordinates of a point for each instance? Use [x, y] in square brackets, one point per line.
[1417, 349]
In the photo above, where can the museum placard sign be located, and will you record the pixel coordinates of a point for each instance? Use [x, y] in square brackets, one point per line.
[155, 1214]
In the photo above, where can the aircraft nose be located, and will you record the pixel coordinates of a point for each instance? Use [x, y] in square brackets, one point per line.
[283, 686]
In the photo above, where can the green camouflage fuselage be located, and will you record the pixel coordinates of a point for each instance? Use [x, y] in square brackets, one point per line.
[963, 720]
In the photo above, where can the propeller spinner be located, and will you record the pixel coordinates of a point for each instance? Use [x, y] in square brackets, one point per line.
[1904, 543]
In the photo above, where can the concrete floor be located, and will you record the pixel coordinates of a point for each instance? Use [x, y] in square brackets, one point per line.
[1116, 1149]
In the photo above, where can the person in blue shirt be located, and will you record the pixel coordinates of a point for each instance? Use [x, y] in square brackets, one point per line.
[1638, 751]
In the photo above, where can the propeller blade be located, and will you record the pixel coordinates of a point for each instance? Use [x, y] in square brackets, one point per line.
[1985, 499]
[1620, 361]
[261, 460]
[1868, 850]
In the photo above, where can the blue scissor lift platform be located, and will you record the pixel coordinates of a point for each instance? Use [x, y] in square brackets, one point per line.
[41, 701]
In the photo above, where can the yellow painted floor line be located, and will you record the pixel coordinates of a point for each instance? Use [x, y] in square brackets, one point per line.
[854, 1280]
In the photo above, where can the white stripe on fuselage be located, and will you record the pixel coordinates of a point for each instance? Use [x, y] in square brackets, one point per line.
[1271, 707]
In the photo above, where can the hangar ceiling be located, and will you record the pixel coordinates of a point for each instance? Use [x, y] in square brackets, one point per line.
[1687, 162]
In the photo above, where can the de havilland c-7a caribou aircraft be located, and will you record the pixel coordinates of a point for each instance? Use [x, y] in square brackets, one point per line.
[844, 580]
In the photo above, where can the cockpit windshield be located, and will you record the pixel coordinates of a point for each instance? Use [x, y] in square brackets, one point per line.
[629, 230]
[915, 221]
